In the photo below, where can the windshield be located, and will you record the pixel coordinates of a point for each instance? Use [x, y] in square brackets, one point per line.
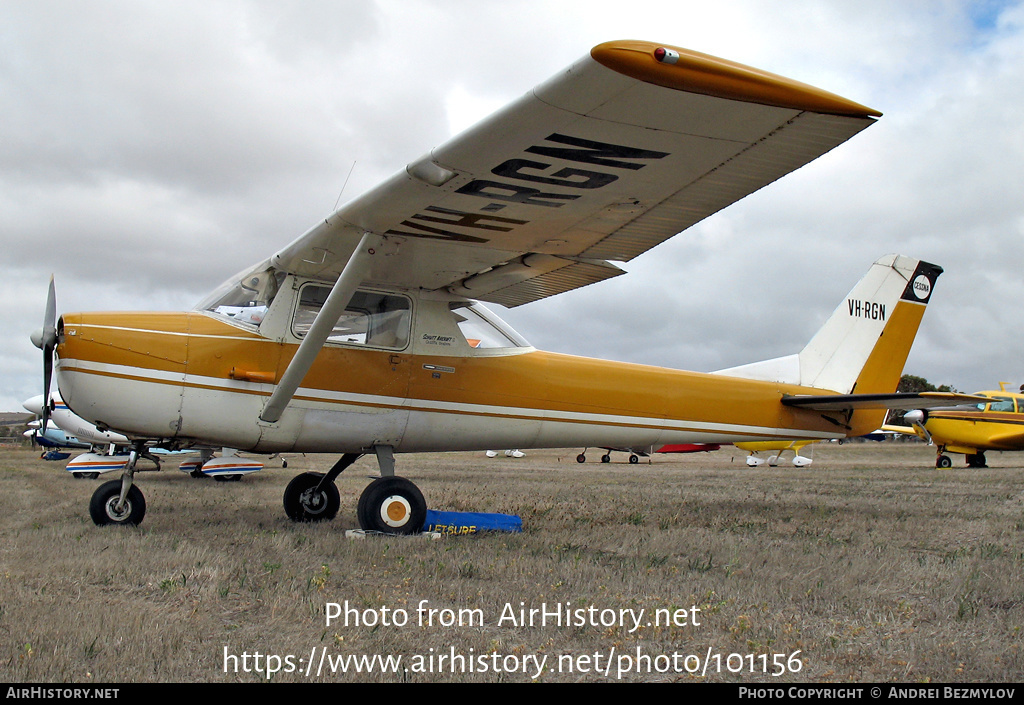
[246, 297]
[482, 329]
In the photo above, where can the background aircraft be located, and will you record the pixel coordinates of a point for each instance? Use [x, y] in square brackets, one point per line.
[777, 448]
[53, 438]
[636, 453]
[995, 423]
[110, 451]
[364, 335]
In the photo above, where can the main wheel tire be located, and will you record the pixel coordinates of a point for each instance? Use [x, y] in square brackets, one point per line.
[392, 505]
[606, 458]
[303, 503]
[634, 459]
[103, 505]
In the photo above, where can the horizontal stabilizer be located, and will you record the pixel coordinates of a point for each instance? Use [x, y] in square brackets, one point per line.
[913, 400]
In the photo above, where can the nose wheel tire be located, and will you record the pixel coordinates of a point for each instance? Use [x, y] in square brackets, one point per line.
[303, 502]
[104, 509]
[392, 505]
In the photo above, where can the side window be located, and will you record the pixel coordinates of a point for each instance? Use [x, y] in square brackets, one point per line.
[371, 319]
[1001, 404]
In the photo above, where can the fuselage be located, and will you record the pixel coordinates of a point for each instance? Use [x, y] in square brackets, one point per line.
[436, 382]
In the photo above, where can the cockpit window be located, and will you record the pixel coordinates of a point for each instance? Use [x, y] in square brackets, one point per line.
[245, 298]
[1001, 404]
[376, 320]
[482, 329]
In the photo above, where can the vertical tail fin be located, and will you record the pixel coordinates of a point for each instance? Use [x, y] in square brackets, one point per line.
[865, 342]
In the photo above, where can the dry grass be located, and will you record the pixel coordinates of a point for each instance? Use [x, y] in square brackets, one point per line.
[869, 563]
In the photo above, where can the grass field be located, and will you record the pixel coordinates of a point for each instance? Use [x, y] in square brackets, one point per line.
[868, 566]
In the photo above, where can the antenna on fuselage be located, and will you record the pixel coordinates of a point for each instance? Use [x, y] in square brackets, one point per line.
[351, 169]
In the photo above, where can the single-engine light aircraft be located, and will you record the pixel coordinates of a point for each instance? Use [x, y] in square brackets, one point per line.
[995, 422]
[366, 336]
[109, 451]
[780, 447]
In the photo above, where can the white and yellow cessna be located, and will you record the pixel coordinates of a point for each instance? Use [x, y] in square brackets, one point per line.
[364, 336]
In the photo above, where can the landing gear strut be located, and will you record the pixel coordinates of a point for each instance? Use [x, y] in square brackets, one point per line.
[313, 496]
[119, 501]
[389, 505]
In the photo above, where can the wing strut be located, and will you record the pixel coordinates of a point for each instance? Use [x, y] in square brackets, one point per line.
[351, 277]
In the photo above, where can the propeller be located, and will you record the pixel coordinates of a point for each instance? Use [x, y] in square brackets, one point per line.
[916, 419]
[46, 340]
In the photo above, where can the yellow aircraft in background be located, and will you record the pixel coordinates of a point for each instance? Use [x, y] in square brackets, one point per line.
[365, 335]
[995, 423]
[779, 447]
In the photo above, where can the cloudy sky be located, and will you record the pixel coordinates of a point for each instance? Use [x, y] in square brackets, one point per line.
[152, 149]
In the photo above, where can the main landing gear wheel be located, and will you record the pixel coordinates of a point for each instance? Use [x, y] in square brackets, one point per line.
[976, 460]
[634, 459]
[302, 501]
[104, 510]
[943, 461]
[606, 458]
[392, 505]
[581, 458]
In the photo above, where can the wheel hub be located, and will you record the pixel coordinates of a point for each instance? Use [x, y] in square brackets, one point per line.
[118, 514]
[313, 501]
[395, 511]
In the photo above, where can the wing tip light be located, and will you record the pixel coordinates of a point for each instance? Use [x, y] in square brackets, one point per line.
[683, 69]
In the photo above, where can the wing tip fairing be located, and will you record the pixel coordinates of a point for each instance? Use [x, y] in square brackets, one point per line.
[702, 73]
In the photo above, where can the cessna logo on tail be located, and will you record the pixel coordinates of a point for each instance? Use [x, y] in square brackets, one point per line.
[866, 309]
[921, 287]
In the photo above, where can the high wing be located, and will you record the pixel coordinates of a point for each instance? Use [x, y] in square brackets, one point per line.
[627, 147]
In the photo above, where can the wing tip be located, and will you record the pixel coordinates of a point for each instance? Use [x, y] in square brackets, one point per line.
[683, 69]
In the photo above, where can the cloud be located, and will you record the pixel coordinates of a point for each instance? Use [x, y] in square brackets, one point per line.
[153, 149]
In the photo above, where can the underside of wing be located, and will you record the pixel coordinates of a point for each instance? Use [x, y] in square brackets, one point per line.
[905, 430]
[626, 148]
